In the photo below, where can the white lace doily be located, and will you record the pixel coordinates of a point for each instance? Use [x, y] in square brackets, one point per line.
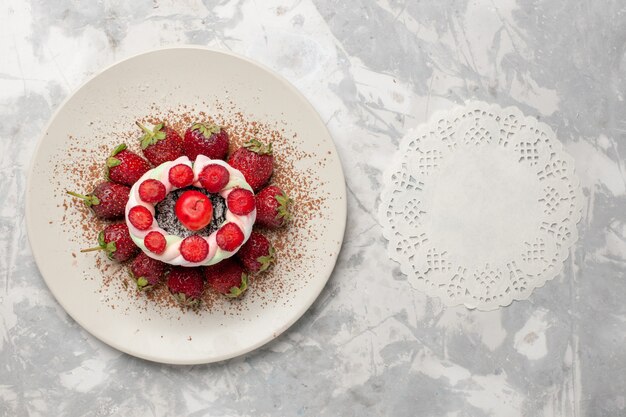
[480, 206]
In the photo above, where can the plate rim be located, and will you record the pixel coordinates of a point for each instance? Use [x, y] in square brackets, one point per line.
[308, 302]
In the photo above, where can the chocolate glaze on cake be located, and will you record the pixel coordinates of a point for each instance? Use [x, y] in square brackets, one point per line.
[168, 221]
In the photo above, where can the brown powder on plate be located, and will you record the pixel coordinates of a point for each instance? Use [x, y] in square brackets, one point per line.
[85, 168]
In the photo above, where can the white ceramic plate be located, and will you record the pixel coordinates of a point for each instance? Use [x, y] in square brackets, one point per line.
[123, 93]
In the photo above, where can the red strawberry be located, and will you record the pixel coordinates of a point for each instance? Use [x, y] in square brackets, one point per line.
[161, 144]
[205, 139]
[257, 255]
[152, 191]
[116, 242]
[229, 237]
[214, 177]
[180, 175]
[240, 201]
[194, 248]
[147, 272]
[107, 201]
[194, 210]
[155, 242]
[140, 217]
[227, 277]
[272, 207]
[125, 167]
[255, 161]
[186, 285]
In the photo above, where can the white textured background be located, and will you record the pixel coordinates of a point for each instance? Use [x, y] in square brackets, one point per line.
[370, 345]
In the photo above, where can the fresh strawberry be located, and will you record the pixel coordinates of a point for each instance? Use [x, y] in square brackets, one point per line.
[240, 201]
[125, 167]
[194, 248]
[255, 161]
[107, 201]
[214, 177]
[147, 272]
[140, 217]
[227, 277]
[257, 254]
[186, 285]
[181, 175]
[194, 209]
[152, 191]
[155, 242]
[161, 144]
[205, 139]
[115, 240]
[272, 207]
[229, 237]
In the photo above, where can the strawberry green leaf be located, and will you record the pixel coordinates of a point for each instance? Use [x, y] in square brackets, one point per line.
[186, 301]
[110, 247]
[259, 147]
[113, 162]
[147, 140]
[267, 261]
[206, 130]
[284, 202]
[119, 148]
[151, 137]
[237, 291]
[101, 241]
[142, 283]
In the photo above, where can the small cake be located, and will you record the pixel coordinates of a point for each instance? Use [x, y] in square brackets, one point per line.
[191, 213]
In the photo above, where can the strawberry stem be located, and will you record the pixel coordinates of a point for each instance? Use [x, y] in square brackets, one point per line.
[84, 197]
[90, 199]
[92, 249]
[145, 129]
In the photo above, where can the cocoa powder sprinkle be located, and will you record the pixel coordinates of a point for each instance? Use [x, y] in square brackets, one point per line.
[85, 167]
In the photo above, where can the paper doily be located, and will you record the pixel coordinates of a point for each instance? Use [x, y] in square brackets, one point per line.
[480, 206]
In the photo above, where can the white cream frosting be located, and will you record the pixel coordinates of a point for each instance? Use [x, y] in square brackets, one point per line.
[172, 254]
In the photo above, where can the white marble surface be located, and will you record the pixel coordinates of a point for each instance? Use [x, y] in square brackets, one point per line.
[370, 345]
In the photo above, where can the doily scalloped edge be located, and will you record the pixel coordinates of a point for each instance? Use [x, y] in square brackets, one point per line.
[563, 252]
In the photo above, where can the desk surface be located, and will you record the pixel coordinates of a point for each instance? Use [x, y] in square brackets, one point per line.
[370, 345]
